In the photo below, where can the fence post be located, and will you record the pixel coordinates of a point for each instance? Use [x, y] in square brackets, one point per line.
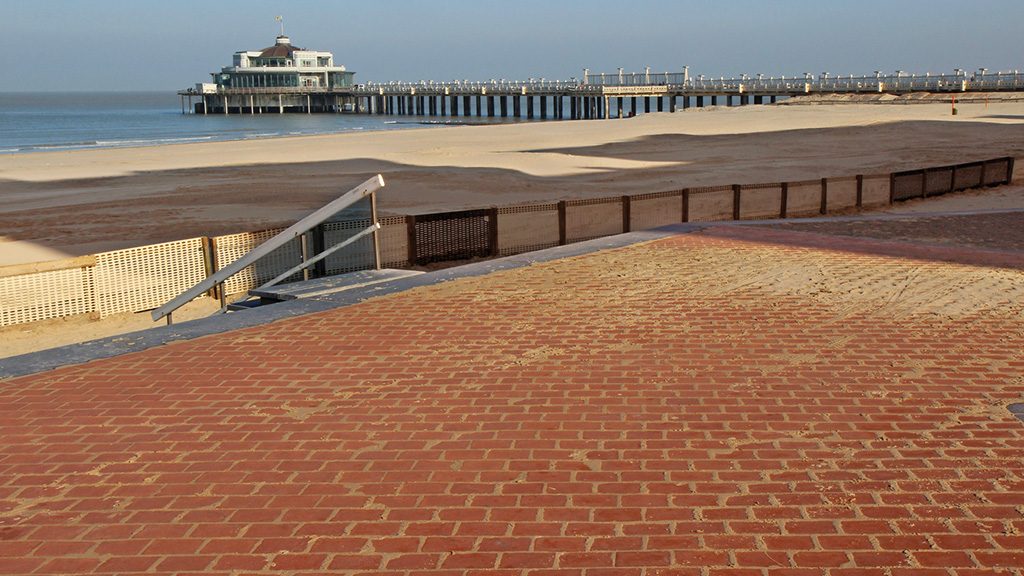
[410, 231]
[736, 201]
[319, 245]
[1009, 169]
[860, 190]
[784, 201]
[824, 197]
[686, 204]
[625, 214]
[562, 232]
[492, 231]
[210, 264]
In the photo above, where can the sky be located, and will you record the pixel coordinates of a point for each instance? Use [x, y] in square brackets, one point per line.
[99, 45]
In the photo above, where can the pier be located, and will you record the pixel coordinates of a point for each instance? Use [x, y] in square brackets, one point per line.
[595, 96]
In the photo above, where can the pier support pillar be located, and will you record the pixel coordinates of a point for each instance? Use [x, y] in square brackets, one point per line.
[529, 107]
[774, 99]
[647, 104]
[632, 106]
[517, 106]
[672, 104]
[620, 103]
[661, 103]
[560, 106]
[686, 102]
[504, 106]
[444, 105]
[455, 105]
[607, 108]
[714, 100]
[467, 105]
[490, 106]
[744, 100]
[543, 107]
[479, 106]
[700, 101]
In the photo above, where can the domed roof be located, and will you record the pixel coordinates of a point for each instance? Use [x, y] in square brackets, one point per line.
[282, 49]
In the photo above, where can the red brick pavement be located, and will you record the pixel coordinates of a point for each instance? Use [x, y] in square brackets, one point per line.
[601, 415]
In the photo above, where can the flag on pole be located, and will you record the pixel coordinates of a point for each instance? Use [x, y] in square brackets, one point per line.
[278, 18]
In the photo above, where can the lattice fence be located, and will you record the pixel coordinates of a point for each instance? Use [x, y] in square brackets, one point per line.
[145, 277]
[648, 211]
[803, 198]
[760, 201]
[711, 203]
[394, 242]
[527, 228]
[592, 218]
[229, 248]
[356, 256]
[452, 236]
[842, 193]
[46, 295]
[875, 190]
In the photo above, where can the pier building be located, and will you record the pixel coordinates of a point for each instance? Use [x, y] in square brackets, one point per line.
[279, 78]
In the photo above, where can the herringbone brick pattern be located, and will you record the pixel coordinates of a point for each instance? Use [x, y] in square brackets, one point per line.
[745, 402]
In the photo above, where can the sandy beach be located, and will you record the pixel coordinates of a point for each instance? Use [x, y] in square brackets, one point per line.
[59, 204]
[54, 205]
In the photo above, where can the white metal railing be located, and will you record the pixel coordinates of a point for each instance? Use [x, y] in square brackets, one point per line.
[591, 83]
[368, 188]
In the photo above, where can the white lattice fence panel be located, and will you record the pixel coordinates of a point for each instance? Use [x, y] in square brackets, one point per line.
[46, 295]
[229, 248]
[143, 278]
[394, 242]
[527, 228]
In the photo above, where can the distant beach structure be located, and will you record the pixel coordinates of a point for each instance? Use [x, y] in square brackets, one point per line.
[280, 78]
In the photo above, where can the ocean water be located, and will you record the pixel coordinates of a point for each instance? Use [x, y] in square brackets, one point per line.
[39, 122]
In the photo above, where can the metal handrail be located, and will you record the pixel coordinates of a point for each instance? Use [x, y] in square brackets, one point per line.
[367, 188]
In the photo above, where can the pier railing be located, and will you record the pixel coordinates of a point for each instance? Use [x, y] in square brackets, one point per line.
[144, 278]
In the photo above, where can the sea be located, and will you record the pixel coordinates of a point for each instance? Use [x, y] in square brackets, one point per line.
[41, 122]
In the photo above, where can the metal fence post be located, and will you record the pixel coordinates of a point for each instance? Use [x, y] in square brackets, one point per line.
[625, 214]
[686, 204]
[784, 200]
[860, 190]
[736, 191]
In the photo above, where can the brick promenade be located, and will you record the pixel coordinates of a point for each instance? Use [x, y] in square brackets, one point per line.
[732, 402]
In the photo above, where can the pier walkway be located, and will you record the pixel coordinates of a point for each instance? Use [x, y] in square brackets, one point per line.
[595, 96]
[729, 400]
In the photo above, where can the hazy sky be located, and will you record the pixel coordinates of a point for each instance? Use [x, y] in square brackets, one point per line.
[172, 44]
